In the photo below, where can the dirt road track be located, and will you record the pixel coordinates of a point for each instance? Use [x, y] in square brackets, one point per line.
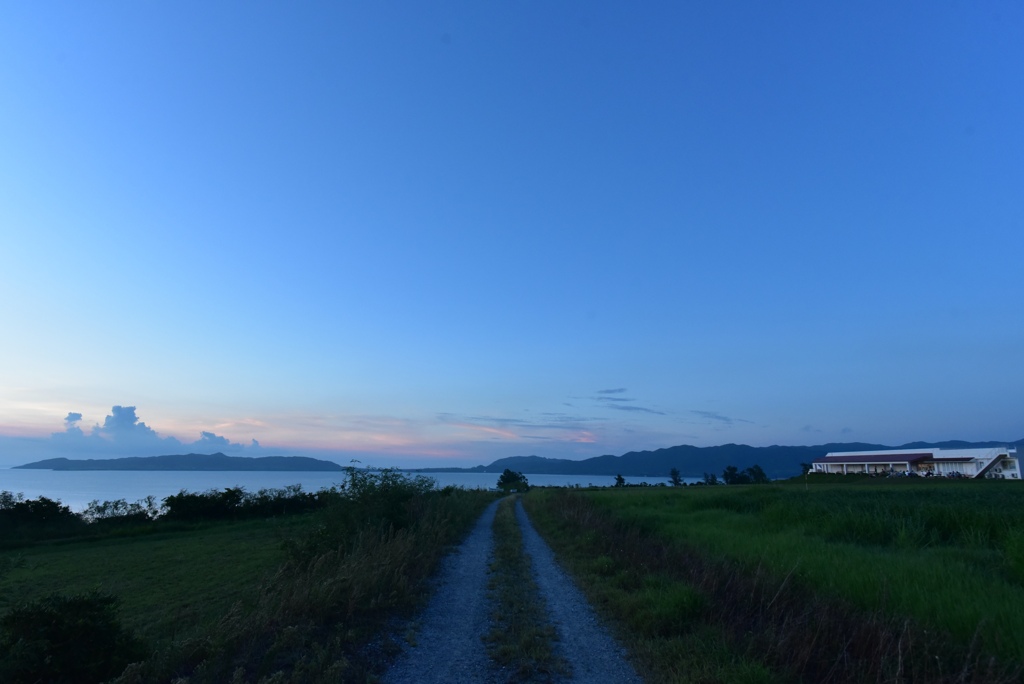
[448, 645]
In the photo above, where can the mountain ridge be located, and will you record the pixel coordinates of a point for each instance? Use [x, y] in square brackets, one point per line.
[692, 461]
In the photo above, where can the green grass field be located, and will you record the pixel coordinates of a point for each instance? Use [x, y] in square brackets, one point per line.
[170, 584]
[948, 556]
[291, 598]
[943, 559]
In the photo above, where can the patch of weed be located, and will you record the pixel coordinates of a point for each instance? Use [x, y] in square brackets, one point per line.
[522, 641]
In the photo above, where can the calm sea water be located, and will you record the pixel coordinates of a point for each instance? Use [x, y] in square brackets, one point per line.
[77, 489]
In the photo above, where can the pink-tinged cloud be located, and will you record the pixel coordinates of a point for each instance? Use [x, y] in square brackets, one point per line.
[446, 451]
[241, 424]
[583, 437]
[327, 432]
[385, 439]
[14, 429]
[486, 429]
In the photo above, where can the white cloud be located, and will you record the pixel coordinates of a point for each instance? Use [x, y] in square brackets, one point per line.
[122, 433]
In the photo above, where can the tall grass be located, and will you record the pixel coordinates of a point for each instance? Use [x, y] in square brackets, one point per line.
[947, 556]
[781, 596]
[319, 616]
[658, 613]
[902, 513]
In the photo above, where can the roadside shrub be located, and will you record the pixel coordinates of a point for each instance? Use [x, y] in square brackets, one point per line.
[234, 503]
[120, 511]
[24, 519]
[385, 500]
[285, 501]
[385, 494]
[210, 505]
[65, 639]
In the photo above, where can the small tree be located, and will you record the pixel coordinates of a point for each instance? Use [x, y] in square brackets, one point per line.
[511, 481]
[710, 479]
[675, 478]
[620, 481]
[732, 475]
[757, 475]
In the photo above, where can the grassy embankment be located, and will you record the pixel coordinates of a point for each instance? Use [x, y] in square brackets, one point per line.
[891, 581]
[289, 598]
[522, 641]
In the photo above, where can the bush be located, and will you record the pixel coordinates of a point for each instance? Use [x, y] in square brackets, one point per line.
[234, 503]
[120, 511]
[26, 520]
[511, 481]
[70, 639]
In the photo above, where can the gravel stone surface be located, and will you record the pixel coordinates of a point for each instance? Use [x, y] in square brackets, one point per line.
[448, 645]
[594, 656]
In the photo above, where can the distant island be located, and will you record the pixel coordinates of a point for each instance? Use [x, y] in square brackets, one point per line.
[691, 461]
[200, 462]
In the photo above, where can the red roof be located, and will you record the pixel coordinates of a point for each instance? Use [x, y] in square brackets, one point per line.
[875, 458]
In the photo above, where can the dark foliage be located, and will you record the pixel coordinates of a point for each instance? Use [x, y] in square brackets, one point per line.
[385, 500]
[65, 639]
[26, 519]
[120, 513]
[511, 481]
[675, 477]
[752, 475]
[234, 503]
[210, 505]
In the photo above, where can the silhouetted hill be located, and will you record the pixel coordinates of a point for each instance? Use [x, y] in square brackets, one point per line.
[691, 461]
[201, 462]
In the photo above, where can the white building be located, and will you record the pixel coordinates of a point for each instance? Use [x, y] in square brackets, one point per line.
[989, 462]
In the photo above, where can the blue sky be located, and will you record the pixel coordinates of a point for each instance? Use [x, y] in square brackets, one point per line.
[419, 233]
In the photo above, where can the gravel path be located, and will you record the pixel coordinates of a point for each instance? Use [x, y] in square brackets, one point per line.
[448, 645]
[593, 654]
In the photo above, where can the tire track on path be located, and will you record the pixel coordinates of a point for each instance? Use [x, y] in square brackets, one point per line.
[594, 656]
[448, 646]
